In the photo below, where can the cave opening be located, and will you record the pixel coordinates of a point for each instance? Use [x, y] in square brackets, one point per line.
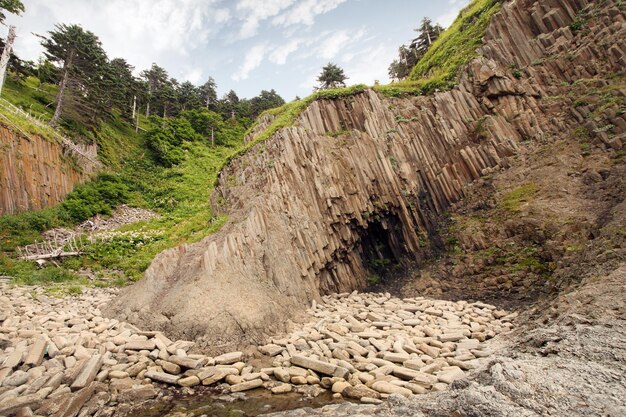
[382, 249]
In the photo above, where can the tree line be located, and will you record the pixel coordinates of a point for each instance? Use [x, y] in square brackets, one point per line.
[92, 86]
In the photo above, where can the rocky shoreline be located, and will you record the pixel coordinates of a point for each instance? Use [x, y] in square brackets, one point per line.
[60, 357]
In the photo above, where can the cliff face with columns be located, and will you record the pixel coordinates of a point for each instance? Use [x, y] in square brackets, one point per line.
[36, 173]
[365, 178]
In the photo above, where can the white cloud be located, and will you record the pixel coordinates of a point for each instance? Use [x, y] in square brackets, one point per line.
[142, 31]
[336, 41]
[280, 53]
[193, 75]
[446, 19]
[361, 70]
[253, 59]
[305, 12]
[254, 12]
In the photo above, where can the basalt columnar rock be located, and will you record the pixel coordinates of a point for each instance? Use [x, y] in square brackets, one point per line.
[363, 179]
[36, 173]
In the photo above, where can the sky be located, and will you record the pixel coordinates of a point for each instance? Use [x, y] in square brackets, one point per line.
[245, 45]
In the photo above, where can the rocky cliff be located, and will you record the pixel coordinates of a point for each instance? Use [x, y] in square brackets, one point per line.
[36, 173]
[360, 182]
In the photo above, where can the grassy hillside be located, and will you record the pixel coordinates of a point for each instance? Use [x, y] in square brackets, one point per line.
[179, 194]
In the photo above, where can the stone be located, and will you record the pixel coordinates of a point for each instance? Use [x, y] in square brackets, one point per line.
[169, 367]
[450, 375]
[35, 355]
[140, 345]
[189, 381]
[299, 380]
[72, 405]
[213, 377]
[385, 387]
[282, 375]
[319, 366]
[371, 400]
[229, 358]
[271, 349]
[339, 386]
[11, 405]
[281, 389]
[185, 362]
[16, 379]
[162, 377]
[88, 373]
[137, 394]
[118, 374]
[360, 391]
[245, 386]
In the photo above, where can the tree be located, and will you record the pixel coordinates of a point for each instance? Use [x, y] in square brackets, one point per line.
[332, 76]
[188, 96]
[265, 100]
[408, 56]
[11, 6]
[208, 94]
[80, 54]
[156, 77]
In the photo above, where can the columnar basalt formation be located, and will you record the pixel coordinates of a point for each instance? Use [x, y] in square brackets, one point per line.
[36, 173]
[367, 176]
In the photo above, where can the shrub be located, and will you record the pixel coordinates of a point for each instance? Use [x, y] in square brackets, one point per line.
[166, 138]
[96, 197]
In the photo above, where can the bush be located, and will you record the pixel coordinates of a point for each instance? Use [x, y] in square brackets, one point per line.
[97, 197]
[166, 137]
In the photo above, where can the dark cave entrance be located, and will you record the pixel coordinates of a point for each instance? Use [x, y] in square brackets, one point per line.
[382, 250]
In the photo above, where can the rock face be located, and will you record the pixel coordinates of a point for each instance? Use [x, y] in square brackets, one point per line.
[36, 173]
[362, 179]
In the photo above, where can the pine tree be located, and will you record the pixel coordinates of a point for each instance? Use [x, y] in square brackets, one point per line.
[408, 56]
[11, 6]
[208, 94]
[332, 76]
[188, 96]
[82, 59]
[156, 77]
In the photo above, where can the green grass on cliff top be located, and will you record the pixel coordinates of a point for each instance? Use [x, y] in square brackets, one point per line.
[437, 70]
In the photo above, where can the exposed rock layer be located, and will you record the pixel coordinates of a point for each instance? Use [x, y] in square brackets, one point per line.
[364, 178]
[36, 173]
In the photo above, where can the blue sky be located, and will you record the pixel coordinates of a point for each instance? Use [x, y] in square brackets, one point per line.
[246, 45]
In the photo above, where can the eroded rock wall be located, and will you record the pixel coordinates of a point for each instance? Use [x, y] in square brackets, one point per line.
[36, 173]
[304, 204]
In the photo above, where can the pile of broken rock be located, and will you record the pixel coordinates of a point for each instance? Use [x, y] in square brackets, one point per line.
[60, 357]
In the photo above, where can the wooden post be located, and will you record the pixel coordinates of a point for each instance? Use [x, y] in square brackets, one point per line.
[134, 106]
[6, 54]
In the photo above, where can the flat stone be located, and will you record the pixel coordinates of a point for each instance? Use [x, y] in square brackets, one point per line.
[118, 375]
[319, 366]
[74, 403]
[35, 355]
[385, 387]
[271, 349]
[185, 362]
[88, 372]
[282, 389]
[140, 345]
[396, 357]
[11, 405]
[214, 377]
[359, 391]
[282, 375]
[189, 381]
[14, 358]
[339, 386]
[17, 379]
[451, 375]
[162, 377]
[245, 386]
[137, 394]
[229, 358]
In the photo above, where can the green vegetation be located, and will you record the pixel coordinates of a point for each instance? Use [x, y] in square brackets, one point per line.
[439, 67]
[512, 200]
[179, 192]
